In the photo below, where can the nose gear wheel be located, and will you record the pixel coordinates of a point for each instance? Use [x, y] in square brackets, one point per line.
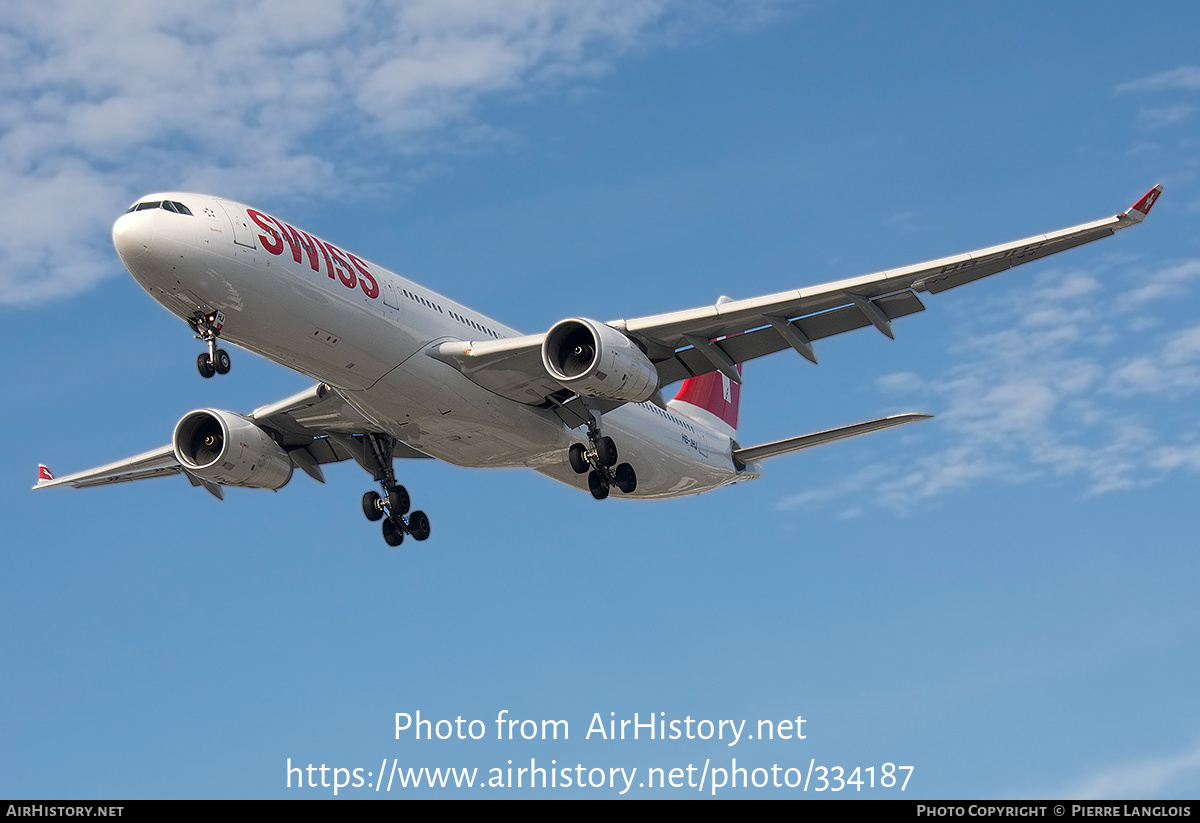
[208, 328]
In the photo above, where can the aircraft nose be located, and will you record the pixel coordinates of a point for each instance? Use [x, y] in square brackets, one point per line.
[133, 234]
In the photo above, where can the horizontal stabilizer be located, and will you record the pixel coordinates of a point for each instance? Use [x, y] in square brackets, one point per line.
[756, 453]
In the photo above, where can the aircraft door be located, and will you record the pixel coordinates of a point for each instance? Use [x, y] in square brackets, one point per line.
[388, 290]
[243, 235]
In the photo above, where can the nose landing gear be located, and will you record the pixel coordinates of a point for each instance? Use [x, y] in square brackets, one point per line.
[208, 328]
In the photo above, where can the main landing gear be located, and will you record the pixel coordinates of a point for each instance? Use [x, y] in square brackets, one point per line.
[598, 462]
[394, 503]
[208, 328]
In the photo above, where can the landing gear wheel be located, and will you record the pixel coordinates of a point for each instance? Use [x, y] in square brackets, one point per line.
[626, 478]
[208, 328]
[577, 457]
[398, 501]
[418, 525]
[205, 366]
[597, 485]
[393, 535]
[606, 451]
[372, 506]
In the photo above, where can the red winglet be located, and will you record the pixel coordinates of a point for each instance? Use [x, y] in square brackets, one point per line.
[1142, 207]
[44, 473]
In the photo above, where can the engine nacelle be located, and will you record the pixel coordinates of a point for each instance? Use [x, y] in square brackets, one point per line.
[226, 448]
[596, 360]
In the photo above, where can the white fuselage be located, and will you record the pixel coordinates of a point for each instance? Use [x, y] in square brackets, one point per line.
[363, 330]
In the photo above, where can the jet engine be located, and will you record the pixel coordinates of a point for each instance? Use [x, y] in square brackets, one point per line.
[229, 449]
[596, 360]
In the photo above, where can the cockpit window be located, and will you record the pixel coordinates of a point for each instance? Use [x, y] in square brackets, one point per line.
[169, 205]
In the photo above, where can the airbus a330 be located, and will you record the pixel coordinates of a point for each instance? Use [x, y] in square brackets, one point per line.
[404, 372]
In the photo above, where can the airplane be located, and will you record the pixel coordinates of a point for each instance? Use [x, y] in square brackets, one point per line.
[405, 372]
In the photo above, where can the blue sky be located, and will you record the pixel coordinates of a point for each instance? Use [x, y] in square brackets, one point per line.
[1002, 597]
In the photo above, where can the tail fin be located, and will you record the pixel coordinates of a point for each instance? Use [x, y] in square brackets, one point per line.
[711, 400]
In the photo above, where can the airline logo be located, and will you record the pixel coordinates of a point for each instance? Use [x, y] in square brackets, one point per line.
[1146, 202]
[715, 394]
[1144, 205]
[44, 474]
[304, 246]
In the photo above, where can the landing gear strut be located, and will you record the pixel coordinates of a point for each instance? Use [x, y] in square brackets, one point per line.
[208, 328]
[393, 504]
[597, 463]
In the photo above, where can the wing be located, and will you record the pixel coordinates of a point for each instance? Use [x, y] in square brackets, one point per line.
[315, 426]
[689, 343]
[794, 319]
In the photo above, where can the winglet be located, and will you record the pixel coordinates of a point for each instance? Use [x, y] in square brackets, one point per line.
[45, 477]
[1141, 208]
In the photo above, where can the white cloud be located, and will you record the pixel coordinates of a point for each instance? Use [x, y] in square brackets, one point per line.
[1150, 375]
[1183, 346]
[1047, 383]
[102, 102]
[900, 382]
[1165, 115]
[1171, 370]
[1149, 778]
[1177, 457]
[826, 493]
[1184, 77]
[1166, 283]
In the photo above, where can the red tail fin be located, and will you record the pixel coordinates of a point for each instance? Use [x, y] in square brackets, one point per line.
[712, 400]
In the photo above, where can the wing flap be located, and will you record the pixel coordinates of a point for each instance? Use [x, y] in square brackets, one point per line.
[310, 413]
[510, 367]
[764, 341]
